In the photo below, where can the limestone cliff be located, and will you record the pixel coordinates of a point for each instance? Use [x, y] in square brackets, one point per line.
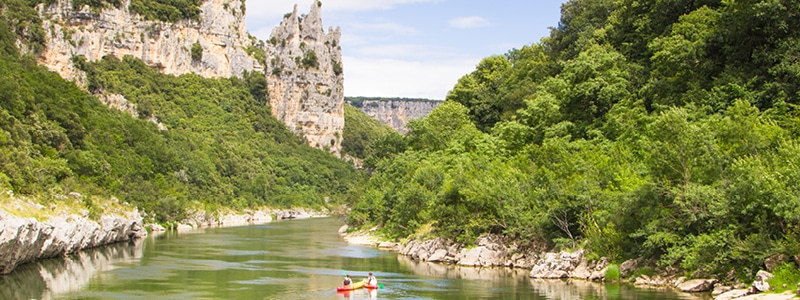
[304, 71]
[305, 80]
[395, 113]
[220, 32]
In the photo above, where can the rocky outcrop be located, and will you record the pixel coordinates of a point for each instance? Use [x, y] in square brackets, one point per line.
[396, 113]
[220, 31]
[203, 219]
[304, 64]
[24, 240]
[490, 251]
[696, 285]
[305, 79]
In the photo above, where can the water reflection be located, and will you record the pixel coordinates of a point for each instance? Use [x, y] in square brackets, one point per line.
[452, 271]
[283, 260]
[48, 278]
[581, 289]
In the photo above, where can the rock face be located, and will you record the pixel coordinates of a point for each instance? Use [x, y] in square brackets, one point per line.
[305, 79]
[397, 113]
[25, 240]
[304, 64]
[220, 32]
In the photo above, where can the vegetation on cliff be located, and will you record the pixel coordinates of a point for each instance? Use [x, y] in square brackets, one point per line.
[359, 101]
[666, 130]
[221, 147]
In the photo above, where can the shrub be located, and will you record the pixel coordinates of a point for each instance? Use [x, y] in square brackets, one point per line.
[787, 276]
[310, 60]
[197, 51]
[612, 273]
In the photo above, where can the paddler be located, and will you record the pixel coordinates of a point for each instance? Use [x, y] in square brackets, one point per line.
[371, 280]
[347, 280]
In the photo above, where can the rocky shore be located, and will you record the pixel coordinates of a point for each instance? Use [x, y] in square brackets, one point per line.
[24, 240]
[203, 219]
[496, 251]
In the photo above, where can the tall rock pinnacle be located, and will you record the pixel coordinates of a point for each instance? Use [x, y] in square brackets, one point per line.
[305, 80]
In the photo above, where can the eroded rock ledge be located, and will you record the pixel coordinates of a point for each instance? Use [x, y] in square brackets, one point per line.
[24, 240]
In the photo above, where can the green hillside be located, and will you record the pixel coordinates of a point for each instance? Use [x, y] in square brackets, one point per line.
[360, 131]
[221, 148]
[663, 130]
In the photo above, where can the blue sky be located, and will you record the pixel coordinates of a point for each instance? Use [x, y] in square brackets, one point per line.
[416, 48]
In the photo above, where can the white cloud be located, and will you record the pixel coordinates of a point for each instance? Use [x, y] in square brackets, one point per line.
[469, 22]
[403, 78]
[384, 26]
[417, 51]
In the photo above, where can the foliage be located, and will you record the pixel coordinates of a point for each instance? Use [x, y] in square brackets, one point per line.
[310, 60]
[167, 10]
[197, 51]
[787, 275]
[337, 67]
[612, 273]
[221, 147]
[258, 53]
[359, 131]
[358, 102]
[663, 130]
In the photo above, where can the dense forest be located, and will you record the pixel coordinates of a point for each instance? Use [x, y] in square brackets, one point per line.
[195, 143]
[663, 130]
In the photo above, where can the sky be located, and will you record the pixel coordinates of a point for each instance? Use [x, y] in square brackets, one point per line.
[416, 48]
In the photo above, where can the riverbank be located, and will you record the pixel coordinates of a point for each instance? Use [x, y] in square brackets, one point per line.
[30, 231]
[496, 251]
[24, 240]
[203, 219]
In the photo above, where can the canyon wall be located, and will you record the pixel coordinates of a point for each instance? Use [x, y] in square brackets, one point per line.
[396, 113]
[220, 31]
[305, 78]
[303, 66]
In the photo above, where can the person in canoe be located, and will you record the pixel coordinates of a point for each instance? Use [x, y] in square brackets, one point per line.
[371, 280]
[347, 280]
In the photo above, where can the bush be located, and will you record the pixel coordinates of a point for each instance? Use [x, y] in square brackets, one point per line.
[197, 51]
[787, 276]
[612, 273]
[310, 60]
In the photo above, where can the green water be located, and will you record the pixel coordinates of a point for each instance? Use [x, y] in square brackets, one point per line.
[301, 259]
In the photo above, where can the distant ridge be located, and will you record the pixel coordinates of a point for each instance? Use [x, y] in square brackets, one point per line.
[394, 112]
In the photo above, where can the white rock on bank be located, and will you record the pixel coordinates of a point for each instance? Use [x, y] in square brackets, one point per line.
[24, 240]
[697, 285]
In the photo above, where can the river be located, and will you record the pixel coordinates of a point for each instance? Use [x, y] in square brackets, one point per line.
[302, 259]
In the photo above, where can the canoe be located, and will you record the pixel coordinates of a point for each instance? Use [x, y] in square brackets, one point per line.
[352, 286]
[371, 287]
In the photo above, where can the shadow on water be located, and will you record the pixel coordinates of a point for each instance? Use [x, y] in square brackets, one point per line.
[48, 278]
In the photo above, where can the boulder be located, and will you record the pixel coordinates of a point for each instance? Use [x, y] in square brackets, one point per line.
[721, 289]
[628, 266]
[470, 257]
[438, 256]
[732, 294]
[697, 285]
